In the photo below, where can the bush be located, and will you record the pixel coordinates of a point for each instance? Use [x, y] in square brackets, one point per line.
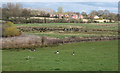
[60, 21]
[9, 30]
[90, 21]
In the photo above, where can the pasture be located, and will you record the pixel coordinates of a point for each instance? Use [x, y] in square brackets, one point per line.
[106, 26]
[85, 29]
[89, 56]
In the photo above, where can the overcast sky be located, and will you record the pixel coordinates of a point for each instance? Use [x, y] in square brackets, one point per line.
[74, 6]
[59, 0]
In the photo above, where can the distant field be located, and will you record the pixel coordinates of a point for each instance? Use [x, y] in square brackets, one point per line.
[89, 56]
[83, 26]
[69, 34]
[106, 26]
[37, 24]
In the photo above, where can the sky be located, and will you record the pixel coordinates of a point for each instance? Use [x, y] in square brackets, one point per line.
[59, 0]
[74, 6]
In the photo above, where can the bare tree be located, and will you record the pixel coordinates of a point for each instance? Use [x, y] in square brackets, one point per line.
[106, 14]
[26, 13]
[18, 10]
[7, 10]
[60, 10]
[112, 16]
[84, 14]
[93, 13]
[100, 12]
[11, 10]
[78, 13]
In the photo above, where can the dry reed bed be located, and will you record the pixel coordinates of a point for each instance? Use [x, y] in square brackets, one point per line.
[31, 41]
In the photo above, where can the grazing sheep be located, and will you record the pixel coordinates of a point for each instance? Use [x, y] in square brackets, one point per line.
[27, 58]
[32, 49]
[73, 53]
[57, 52]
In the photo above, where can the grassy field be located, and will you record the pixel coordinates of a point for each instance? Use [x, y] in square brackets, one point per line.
[89, 56]
[69, 34]
[106, 26]
[88, 26]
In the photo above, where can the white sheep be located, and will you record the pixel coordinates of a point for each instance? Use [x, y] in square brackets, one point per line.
[57, 52]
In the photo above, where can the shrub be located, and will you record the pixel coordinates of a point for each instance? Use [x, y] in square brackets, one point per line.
[61, 21]
[9, 30]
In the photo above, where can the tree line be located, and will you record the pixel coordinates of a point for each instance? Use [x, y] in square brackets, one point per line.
[17, 14]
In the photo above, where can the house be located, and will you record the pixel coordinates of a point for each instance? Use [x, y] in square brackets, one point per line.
[52, 15]
[81, 16]
[74, 16]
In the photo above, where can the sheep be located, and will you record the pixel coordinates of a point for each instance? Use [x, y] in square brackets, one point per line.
[73, 53]
[32, 49]
[57, 52]
[27, 58]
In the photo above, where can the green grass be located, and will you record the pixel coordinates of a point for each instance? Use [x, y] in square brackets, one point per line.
[88, 26]
[69, 34]
[39, 24]
[89, 56]
[113, 26]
